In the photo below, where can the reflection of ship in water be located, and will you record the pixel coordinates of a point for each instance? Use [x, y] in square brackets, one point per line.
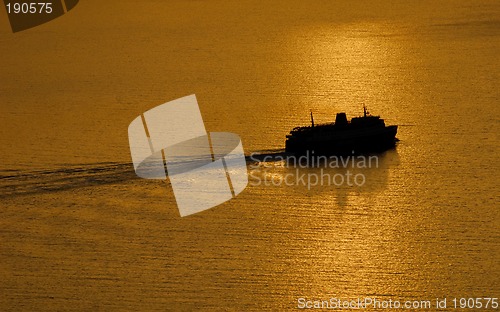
[336, 178]
[360, 134]
[367, 178]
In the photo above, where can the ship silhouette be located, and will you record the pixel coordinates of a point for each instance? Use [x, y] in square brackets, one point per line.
[362, 134]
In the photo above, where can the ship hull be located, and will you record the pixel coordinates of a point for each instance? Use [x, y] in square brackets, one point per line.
[344, 142]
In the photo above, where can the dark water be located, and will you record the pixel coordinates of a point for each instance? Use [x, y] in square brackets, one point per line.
[79, 231]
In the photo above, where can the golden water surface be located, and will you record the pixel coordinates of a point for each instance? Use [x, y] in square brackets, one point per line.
[79, 231]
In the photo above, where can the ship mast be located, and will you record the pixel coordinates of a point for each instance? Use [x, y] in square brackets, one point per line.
[312, 119]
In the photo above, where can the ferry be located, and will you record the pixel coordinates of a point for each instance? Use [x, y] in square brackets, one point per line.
[362, 134]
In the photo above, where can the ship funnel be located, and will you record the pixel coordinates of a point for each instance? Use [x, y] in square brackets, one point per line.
[341, 119]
